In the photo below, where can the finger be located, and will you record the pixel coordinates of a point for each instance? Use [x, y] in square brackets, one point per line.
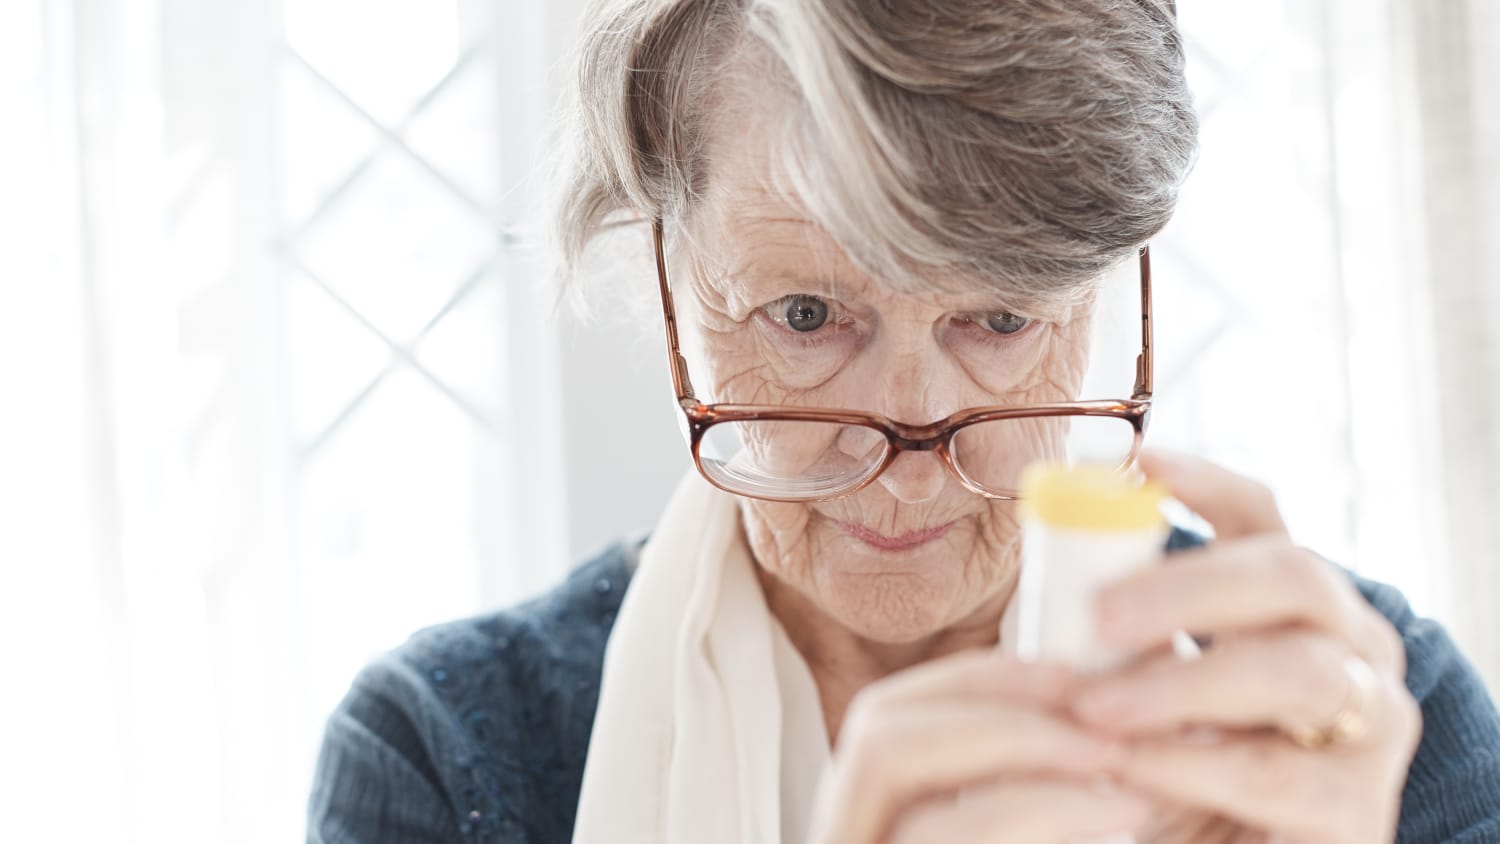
[1250, 778]
[1234, 504]
[1264, 782]
[986, 674]
[1243, 585]
[1286, 678]
[1010, 812]
[895, 755]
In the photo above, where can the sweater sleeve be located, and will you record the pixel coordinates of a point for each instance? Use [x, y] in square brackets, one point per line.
[1452, 792]
[375, 781]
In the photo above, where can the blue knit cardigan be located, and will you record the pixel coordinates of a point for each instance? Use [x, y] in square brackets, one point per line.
[476, 730]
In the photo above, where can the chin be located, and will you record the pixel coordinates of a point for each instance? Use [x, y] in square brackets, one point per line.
[895, 597]
[893, 607]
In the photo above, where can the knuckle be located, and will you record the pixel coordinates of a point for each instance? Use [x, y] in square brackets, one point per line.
[1407, 713]
[1317, 666]
[868, 704]
[1260, 495]
[858, 732]
[1323, 590]
[1306, 571]
[1287, 566]
[1390, 646]
[1310, 667]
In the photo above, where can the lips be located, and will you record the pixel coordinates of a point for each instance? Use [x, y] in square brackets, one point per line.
[903, 542]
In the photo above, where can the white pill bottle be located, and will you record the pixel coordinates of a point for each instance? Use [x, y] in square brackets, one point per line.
[1082, 527]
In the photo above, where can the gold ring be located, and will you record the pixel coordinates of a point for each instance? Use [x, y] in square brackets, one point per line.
[1352, 720]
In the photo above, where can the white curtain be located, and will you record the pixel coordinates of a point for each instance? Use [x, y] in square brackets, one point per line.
[1455, 162]
[231, 470]
[270, 326]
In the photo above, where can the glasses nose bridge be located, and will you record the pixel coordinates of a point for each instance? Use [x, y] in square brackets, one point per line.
[935, 442]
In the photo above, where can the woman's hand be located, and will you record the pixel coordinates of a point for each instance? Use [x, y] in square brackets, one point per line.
[975, 747]
[1292, 637]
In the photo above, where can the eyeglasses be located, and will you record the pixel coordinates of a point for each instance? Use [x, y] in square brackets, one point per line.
[781, 453]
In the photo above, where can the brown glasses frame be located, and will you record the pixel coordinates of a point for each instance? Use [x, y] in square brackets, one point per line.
[936, 436]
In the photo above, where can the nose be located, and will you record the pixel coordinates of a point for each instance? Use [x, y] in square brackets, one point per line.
[916, 384]
[912, 381]
[914, 477]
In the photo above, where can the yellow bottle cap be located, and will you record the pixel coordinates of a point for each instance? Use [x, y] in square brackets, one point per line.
[1090, 497]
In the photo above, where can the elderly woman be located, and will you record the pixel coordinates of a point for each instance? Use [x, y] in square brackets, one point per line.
[879, 229]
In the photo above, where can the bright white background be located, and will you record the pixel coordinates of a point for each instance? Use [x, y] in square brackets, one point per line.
[279, 384]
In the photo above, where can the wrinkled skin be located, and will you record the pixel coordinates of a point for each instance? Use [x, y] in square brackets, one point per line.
[856, 611]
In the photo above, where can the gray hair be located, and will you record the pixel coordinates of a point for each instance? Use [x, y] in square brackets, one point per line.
[1028, 145]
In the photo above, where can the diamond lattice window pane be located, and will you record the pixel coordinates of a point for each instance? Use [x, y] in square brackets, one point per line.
[331, 358]
[384, 54]
[459, 132]
[466, 350]
[396, 245]
[322, 140]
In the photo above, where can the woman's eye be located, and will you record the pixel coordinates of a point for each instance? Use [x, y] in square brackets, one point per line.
[804, 313]
[1006, 323]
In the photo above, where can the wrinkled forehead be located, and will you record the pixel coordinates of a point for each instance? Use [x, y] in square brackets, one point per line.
[750, 219]
[747, 243]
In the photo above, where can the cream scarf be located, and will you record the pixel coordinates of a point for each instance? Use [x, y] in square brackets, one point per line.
[709, 728]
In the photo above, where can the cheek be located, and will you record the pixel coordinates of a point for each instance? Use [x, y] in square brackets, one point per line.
[778, 535]
[801, 368]
[1066, 359]
[1002, 376]
[1001, 528]
[799, 374]
[735, 373]
[744, 364]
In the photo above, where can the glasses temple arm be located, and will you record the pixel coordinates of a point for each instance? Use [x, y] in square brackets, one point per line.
[1143, 362]
[680, 382]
